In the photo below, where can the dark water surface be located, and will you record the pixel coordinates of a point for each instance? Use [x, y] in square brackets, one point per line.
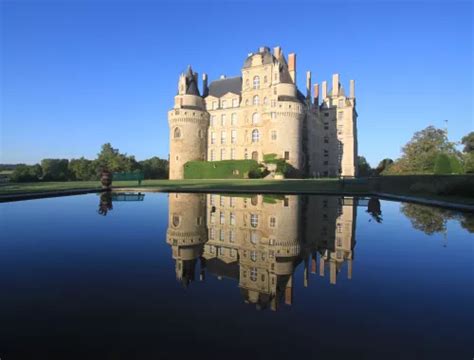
[242, 277]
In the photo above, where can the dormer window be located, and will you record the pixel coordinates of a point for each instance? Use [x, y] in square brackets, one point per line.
[235, 102]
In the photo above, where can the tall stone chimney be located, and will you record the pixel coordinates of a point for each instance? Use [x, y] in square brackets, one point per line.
[277, 52]
[316, 94]
[292, 66]
[352, 89]
[325, 89]
[308, 86]
[205, 90]
[335, 85]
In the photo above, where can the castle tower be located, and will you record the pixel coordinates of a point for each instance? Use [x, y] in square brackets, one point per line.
[187, 232]
[188, 122]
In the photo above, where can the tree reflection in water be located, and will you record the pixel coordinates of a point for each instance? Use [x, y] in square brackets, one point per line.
[433, 220]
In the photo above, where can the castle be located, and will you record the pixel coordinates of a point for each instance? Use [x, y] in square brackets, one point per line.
[259, 241]
[262, 112]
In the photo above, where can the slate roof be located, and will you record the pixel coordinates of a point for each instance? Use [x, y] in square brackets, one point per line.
[221, 87]
[191, 85]
[268, 58]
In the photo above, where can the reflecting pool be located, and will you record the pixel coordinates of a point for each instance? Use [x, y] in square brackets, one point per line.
[127, 276]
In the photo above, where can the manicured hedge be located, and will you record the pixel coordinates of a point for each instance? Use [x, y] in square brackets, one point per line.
[225, 169]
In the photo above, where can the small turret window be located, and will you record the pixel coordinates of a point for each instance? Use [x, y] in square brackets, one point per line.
[256, 100]
[256, 82]
[177, 133]
[255, 136]
[175, 220]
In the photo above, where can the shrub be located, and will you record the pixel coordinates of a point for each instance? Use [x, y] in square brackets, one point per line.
[442, 164]
[225, 169]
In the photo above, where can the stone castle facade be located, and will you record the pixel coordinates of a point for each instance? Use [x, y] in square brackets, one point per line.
[262, 112]
[258, 241]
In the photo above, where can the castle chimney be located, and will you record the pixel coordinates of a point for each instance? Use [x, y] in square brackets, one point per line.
[352, 89]
[305, 273]
[289, 291]
[349, 269]
[308, 86]
[325, 90]
[332, 272]
[321, 266]
[313, 262]
[335, 85]
[292, 66]
[205, 90]
[316, 94]
[277, 52]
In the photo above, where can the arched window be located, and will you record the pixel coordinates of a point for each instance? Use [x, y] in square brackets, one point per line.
[255, 118]
[255, 136]
[256, 100]
[253, 255]
[254, 220]
[254, 156]
[177, 133]
[256, 82]
[253, 274]
[175, 220]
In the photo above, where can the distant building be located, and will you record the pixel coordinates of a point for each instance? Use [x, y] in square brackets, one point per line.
[262, 112]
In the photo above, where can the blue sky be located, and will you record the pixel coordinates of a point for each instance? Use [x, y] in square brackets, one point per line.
[78, 74]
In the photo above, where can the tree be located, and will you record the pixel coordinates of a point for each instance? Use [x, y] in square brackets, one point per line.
[442, 165]
[55, 169]
[111, 159]
[364, 167]
[26, 173]
[383, 165]
[83, 169]
[419, 154]
[430, 220]
[155, 168]
[469, 163]
[468, 142]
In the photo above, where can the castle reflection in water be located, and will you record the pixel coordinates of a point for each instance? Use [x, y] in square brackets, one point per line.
[259, 240]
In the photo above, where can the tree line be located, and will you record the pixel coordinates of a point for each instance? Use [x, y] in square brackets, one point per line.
[84, 169]
[428, 152]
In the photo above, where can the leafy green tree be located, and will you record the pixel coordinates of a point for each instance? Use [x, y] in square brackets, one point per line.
[83, 169]
[55, 169]
[430, 220]
[155, 168]
[469, 163]
[442, 164]
[111, 159]
[26, 173]
[383, 166]
[364, 167]
[468, 142]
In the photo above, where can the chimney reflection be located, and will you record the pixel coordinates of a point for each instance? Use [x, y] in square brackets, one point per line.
[259, 240]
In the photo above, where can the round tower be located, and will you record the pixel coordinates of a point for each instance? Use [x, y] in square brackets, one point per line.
[188, 122]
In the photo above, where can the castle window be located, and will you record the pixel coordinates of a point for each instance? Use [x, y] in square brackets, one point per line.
[326, 126]
[231, 202]
[233, 119]
[273, 115]
[224, 104]
[326, 114]
[287, 155]
[285, 202]
[212, 157]
[222, 218]
[326, 140]
[212, 199]
[213, 120]
[221, 235]
[255, 136]
[231, 236]
[253, 255]
[273, 135]
[221, 251]
[246, 154]
[232, 218]
[221, 200]
[256, 82]
[212, 234]
[213, 138]
[223, 118]
[177, 133]
[213, 218]
[222, 154]
[273, 221]
[214, 105]
[232, 154]
[175, 220]
[253, 237]
[340, 115]
[235, 102]
[253, 220]
[200, 133]
[223, 137]
[274, 91]
[265, 100]
[273, 103]
[256, 100]
[233, 136]
[253, 274]
[326, 153]
[254, 200]
[255, 118]
[255, 155]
